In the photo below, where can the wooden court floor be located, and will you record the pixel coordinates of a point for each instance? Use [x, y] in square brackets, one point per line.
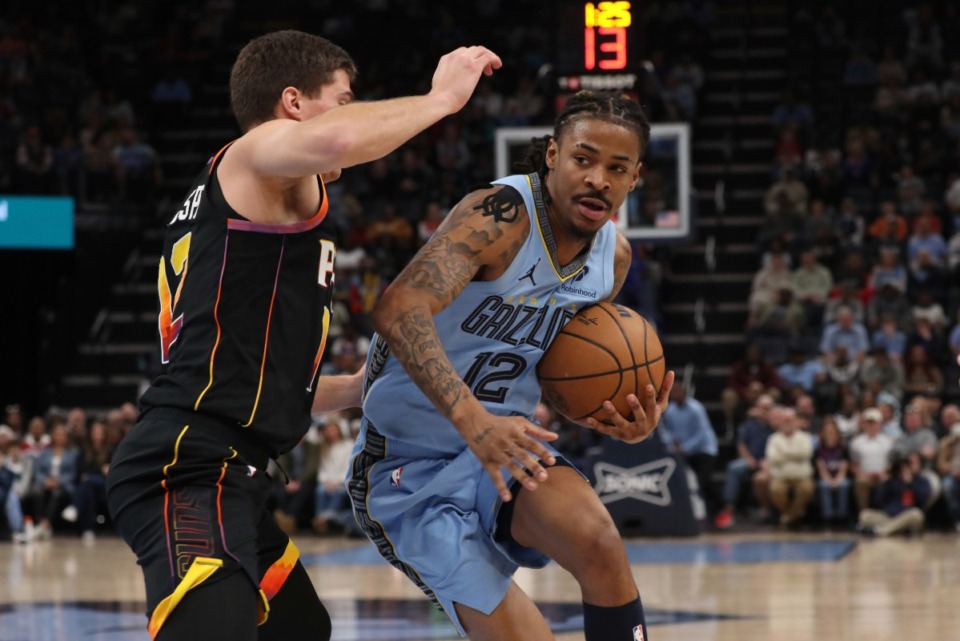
[757, 587]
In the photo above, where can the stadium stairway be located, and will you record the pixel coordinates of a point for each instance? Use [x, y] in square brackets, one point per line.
[120, 350]
[707, 281]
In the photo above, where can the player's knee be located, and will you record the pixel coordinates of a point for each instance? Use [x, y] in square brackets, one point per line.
[597, 546]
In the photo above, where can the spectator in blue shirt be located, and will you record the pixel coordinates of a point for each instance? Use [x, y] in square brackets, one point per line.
[54, 479]
[847, 333]
[801, 370]
[686, 430]
[889, 269]
[890, 338]
[925, 238]
[751, 449]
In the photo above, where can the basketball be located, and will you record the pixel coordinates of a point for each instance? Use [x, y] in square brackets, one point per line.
[606, 352]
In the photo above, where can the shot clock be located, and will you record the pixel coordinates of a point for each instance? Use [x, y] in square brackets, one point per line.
[605, 28]
[597, 46]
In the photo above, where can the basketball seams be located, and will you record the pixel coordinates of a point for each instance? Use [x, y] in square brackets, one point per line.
[599, 374]
[588, 414]
[554, 379]
[649, 377]
[646, 357]
[646, 352]
[636, 379]
[594, 343]
[619, 371]
[568, 377]
[623, 333]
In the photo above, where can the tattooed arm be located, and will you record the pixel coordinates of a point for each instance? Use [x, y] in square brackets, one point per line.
[478, 240]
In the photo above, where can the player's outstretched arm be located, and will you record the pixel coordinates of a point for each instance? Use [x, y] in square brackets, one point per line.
[338, 392]
[481, 234]
[360, 132]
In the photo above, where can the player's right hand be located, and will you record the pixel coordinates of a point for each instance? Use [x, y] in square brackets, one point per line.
[646, 414]
[459, 71]
[510, 442]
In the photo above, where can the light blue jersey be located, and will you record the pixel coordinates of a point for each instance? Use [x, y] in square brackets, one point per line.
[495, 332]
[418, 492]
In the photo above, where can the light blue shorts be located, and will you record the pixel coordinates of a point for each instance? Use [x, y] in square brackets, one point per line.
[435, 519]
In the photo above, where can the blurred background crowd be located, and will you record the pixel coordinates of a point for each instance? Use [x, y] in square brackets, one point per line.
[842, 411]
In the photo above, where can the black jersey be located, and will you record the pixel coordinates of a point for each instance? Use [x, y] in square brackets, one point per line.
[244, 314]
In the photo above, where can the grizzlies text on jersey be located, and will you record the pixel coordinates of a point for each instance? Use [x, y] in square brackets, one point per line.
[238, 342]
[494, 333]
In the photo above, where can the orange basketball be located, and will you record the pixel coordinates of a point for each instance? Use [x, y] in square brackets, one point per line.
[605, 352]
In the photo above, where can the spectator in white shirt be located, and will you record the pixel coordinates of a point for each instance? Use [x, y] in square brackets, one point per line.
[333, 509]
[788, 457]
[869, 457]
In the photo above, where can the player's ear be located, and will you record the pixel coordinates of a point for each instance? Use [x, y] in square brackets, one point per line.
[636, 176]
[553, 150]
[290, 103]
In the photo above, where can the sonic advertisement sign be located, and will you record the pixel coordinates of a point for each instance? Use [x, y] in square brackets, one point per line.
[647, 490]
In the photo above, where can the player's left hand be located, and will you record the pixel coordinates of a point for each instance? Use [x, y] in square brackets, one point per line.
[646, 414]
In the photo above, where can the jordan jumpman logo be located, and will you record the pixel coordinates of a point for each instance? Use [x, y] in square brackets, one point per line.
[529, 274]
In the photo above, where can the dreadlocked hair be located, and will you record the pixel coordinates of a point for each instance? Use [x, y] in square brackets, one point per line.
[612, 107]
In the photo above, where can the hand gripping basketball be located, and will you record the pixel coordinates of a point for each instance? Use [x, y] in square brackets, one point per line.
[646, 415]
[606, 353]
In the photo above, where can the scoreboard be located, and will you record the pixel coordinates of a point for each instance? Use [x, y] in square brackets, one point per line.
[605, 31]
[597, 47]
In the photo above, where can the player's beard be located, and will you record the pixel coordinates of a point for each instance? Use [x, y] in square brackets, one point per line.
[580, 233]
[565, 227]
[568, 228]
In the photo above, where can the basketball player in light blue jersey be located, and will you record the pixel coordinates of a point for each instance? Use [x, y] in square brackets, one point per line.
[451, 385]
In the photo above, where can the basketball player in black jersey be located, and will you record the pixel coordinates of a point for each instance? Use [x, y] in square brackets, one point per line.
[245, 283]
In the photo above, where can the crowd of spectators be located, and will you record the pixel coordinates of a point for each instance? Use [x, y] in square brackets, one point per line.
[85, 87]
[854, 310]
[85, 91]
[844, 394]
[53, 470]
